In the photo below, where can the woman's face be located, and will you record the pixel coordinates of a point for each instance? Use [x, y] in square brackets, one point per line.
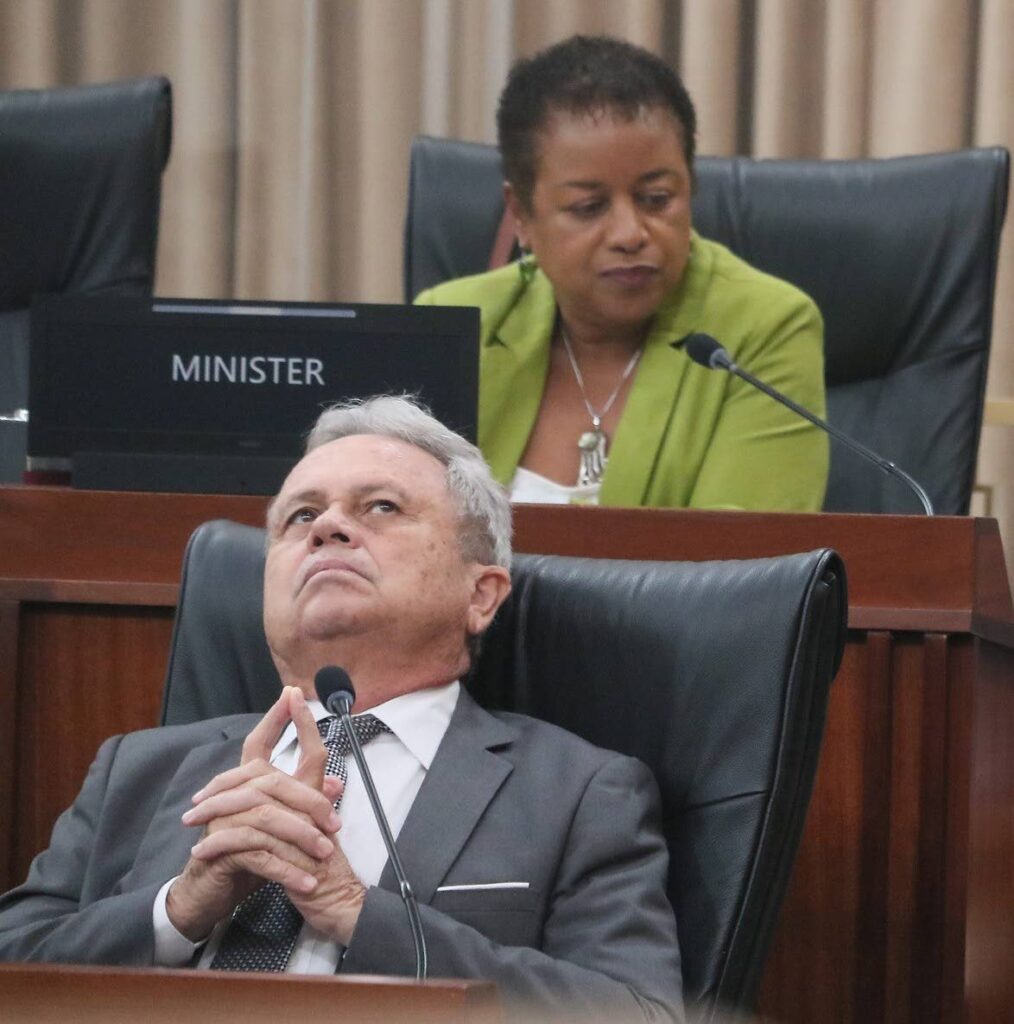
[610, 214]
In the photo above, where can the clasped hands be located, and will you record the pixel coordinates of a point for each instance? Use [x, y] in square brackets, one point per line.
[262, 825]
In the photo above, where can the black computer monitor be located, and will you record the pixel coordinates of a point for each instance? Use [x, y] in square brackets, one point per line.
[188, 395]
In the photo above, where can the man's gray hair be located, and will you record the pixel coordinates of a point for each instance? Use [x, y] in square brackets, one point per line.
[483, 506]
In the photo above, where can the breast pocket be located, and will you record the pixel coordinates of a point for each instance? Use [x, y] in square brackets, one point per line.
[510, 916]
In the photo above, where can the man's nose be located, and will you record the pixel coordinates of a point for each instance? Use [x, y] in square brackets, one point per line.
[627, 230]
[333, 525]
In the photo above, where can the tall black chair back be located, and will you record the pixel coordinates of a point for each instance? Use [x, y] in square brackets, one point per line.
[900, 255]
[715, 674]
[80, 187]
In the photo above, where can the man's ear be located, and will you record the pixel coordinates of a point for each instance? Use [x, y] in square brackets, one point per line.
[517, 210]
[490, 587]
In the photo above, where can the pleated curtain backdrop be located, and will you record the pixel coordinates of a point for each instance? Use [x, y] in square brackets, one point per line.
[293, 118]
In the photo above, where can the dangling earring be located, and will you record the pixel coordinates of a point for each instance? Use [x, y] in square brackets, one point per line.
[527, 265]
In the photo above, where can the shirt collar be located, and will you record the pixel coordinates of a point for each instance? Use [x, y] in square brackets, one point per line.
[419, 719]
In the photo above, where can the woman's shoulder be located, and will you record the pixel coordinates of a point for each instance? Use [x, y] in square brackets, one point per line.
[491, 289]
[758, 317]
[507, 299]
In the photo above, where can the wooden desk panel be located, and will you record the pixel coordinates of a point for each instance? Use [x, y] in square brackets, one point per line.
[905, 572]
[46, 994]
[983, 826]
[899, 907]
[10, 804]
[87, 672]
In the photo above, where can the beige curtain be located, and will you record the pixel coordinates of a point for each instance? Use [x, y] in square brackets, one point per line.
[293, 118]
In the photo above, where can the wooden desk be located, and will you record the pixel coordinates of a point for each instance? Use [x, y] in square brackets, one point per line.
[47, 994]
[901, 903]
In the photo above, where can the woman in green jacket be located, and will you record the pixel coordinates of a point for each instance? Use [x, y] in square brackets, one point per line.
[586, 394]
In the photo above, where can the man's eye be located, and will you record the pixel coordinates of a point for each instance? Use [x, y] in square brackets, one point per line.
[383, 506]
[303, 515]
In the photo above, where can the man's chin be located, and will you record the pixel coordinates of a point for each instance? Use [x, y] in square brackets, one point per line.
[340, 579]
[323, 627]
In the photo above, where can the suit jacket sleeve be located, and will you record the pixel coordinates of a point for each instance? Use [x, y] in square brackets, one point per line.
[609, 949]
[52, 918]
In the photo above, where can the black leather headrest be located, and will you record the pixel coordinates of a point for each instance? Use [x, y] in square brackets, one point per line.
[80, 184]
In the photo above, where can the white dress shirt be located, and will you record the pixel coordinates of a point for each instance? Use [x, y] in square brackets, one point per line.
[398, 761]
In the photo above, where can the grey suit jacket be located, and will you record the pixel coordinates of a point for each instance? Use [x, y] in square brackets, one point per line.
[506, 798]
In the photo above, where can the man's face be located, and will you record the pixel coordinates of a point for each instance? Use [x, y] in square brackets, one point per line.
[363, 542]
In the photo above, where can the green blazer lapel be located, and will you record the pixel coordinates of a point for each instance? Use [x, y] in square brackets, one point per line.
[513, 364]
[635, 447]
[464, 777]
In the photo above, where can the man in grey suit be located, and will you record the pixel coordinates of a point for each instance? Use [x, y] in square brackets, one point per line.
[536, 857]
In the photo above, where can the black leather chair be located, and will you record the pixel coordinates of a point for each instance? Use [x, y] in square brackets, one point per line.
[80, 186]
[715, 674]
[900, 255]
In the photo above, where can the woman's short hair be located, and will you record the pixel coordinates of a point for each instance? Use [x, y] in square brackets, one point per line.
[484, 510]
[584, 75]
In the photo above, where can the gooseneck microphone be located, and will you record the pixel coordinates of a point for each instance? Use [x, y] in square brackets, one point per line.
[707, 352]
[336, 692]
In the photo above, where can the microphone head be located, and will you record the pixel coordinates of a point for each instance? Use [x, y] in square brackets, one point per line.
[334, 689]
[705, 351]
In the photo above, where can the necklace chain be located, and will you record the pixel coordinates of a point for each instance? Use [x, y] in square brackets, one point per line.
[597, 417]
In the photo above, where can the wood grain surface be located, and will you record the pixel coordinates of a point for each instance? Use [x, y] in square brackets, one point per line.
[46, 994]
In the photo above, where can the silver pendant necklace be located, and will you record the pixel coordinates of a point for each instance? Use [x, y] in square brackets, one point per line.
[592, 444]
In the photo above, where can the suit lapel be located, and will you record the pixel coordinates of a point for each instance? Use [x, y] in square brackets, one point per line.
[512, 375]
[464, 777]
[165, 848]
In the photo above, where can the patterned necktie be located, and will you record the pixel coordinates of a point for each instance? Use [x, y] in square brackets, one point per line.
[265, 925]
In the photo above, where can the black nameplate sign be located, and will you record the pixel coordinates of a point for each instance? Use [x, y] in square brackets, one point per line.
[188, 395]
